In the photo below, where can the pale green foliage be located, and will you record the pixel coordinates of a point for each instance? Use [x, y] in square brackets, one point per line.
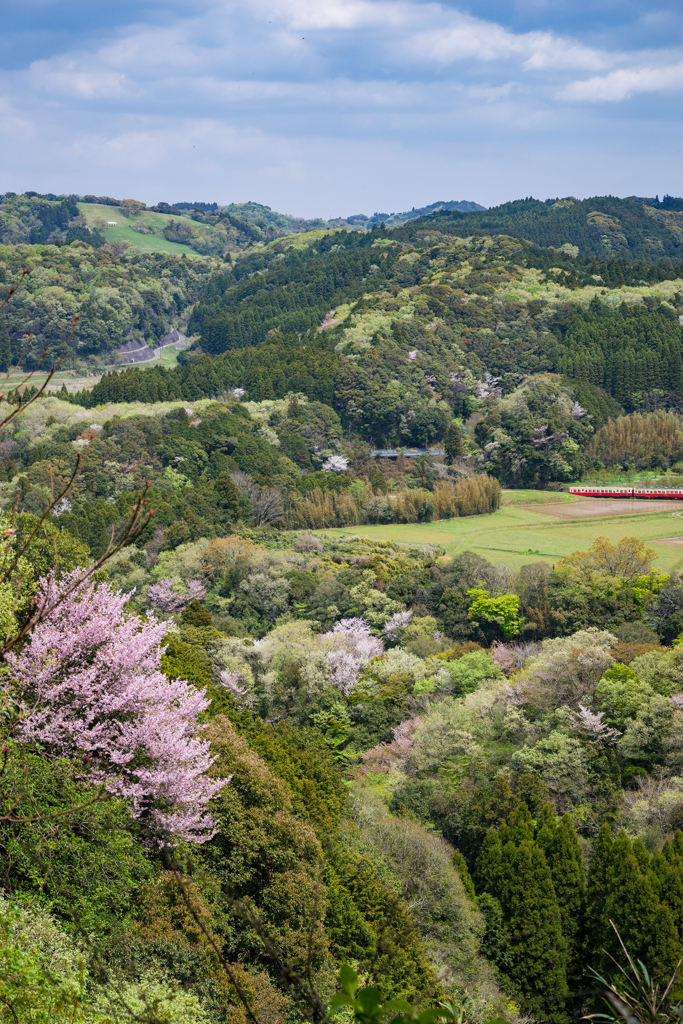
[185, 561]
[621, 699]
[295, 642]
[43, 980]
[444, 739]
[154, 997]
[398, 660]
[647, 734]
[232, 655]
[268, 591]
[560, 761]
[373, 604]
[567, 670]
[43, 418]
[648, 810]
[419, 864]
[42, 977]
[663, 670]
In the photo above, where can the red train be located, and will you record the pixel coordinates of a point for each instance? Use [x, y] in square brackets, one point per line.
[586, 491]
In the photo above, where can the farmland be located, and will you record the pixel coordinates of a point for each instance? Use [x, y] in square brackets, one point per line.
[543, 526]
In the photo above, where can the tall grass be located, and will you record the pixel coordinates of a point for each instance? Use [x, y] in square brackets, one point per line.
[319, 510]
[643, 440]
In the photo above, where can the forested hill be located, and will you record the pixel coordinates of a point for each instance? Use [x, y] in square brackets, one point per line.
[400, 336]
[604, 226]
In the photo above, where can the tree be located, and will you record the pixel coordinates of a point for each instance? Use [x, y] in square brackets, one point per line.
[91, 676]
[228, 497]
[563, 855]
[5, 347]
[167, 600]
[627, 560]
[454, 444]
[538, 950]
[498, 617]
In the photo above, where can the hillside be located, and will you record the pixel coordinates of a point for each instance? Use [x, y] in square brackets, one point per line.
[325, 712]
[204, 228]
[603, 226]
[400, 337]
[119, 298]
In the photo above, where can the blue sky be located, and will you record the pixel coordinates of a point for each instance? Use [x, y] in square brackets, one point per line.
[334, 107]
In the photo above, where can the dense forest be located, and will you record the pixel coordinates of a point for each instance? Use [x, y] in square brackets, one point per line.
[248, 760]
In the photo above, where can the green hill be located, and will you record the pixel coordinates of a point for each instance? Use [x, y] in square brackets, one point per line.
[603, 226]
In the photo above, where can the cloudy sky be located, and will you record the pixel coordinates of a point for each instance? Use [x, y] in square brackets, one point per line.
[333, 107]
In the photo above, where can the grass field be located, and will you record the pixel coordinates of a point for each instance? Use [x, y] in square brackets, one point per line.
[97, 216]
[520, 532]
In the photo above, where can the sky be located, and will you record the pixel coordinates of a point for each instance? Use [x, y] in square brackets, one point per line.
[326, 108]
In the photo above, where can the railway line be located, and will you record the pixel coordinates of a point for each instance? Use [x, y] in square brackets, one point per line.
[651, 493]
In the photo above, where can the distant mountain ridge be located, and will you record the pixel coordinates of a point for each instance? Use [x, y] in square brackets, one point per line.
[603, 226]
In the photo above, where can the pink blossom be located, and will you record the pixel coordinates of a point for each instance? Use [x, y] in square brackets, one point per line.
[356, 647]
[386, 756]
[167, 600]
[93, 690]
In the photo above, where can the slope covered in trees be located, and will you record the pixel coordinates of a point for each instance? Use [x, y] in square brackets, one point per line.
[404, 339]
[241, 754]
[603, 226]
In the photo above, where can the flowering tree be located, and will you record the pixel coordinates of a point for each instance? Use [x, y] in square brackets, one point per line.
[90, 684]
[354, 649]
[594, 728]
[231, 682]
[395, 627]
[164, 597]
[336, 464]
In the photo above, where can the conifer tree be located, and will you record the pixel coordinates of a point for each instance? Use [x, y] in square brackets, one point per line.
[537, 948]
[461, 867]
[5, 347]
[490, 872]
[598, 887]
[566, 867]
[453, 444]
[646, 926]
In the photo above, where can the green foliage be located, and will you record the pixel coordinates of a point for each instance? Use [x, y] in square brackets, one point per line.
[600, 227]
[495, 614]
[86, 867]
[116, 296]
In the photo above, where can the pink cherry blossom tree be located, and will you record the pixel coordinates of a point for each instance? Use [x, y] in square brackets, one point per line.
[355, 648]
[90, 684]
[166, 599]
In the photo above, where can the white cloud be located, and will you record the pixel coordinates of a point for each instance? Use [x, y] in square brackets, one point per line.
[625, 82]
[66, 78]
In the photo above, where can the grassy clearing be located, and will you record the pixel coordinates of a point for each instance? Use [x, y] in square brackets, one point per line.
[519, 535]
[97, 216]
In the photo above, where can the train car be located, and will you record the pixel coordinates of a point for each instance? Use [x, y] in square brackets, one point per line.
[667, 493]
[586, 491]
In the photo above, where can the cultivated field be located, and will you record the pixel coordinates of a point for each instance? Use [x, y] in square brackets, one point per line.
[534, 526]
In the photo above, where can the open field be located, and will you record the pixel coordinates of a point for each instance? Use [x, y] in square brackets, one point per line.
[97, 216]
[542, 531]
[76, 380]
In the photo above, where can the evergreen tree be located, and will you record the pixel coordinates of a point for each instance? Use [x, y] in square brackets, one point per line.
[566, 867]
[489, 872]
[5, 347]
[461, 867]
[228, 497]
[453, 444]
[538, 949]
[599, 877]
[646, 926]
